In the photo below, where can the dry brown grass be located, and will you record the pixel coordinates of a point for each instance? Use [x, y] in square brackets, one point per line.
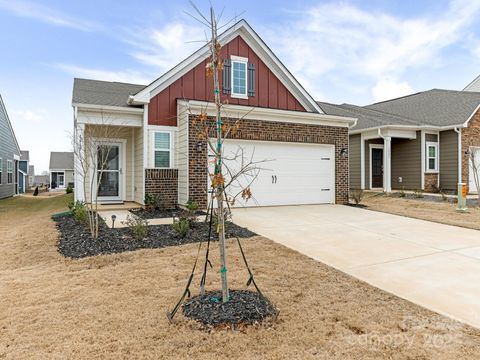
[113, 307]
[441, 212]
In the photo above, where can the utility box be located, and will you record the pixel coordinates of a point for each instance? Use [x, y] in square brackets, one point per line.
[462, 197]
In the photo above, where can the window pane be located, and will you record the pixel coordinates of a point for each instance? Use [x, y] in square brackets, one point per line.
[109, 182]
[162, 159]
[431, 151]
[431, 164]
[162, 141]
[108, 157]
[239, 78]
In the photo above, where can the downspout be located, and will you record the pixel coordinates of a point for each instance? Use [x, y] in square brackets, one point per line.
[459, 132]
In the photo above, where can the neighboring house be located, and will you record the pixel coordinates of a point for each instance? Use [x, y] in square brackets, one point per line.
[23, 167]
[416, 142]
[31, 176]
[156, 149]
[474, 85]
[40, 180]
[61, 170]
[9, 155]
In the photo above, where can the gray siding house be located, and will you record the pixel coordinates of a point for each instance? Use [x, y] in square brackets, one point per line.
[9, 155]
[417, 142]
[61, 170]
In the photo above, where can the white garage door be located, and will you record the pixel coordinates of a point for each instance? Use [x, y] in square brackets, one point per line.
[472, 184]
[288, 174]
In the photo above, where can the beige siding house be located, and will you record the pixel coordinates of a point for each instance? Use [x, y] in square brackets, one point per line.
[417, 142]
[61, 170]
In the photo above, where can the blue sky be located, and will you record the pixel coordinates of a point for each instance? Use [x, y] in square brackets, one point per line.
[341, 51]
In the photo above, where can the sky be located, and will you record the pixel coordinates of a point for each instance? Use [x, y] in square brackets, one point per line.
[355, 52]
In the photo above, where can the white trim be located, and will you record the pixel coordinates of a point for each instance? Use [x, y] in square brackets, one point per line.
[133, 164]
[422, 161]
[471, 177]
[12, 171]
[60, 170]
[362, 162]
[256, 113]
[407, 127]
[244, 61]
[465, 124]
[120, 109]
[433, 144]
[394, 133]
[16, 157]
[171, 135]
[78, 175]
[243, 29]
[375, 146]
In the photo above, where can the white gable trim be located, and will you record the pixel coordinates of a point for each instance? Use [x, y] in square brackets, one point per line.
[252, 39]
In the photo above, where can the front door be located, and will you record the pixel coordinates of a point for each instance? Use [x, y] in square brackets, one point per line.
[377, 168]
[109, 172]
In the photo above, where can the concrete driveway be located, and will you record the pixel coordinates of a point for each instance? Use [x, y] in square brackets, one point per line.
[434, 265]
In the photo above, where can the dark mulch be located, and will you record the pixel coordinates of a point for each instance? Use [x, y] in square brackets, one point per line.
[159, 213]
[244, 307]
[76, 242]
[360, 206]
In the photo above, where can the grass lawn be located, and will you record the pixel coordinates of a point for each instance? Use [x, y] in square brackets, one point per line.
[441, 212]
[113, 306]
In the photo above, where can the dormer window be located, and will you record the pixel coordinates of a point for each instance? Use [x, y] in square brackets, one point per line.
[239, 77]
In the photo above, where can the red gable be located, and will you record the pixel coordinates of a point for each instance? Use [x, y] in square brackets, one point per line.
[194, 85]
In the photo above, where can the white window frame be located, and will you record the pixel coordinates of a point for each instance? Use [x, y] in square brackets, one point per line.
[170, 150]
[428, 158]
[9, 171]
[1, 171]
[242, 60]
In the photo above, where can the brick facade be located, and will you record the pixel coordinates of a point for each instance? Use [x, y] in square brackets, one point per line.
[431, 182]
[268, 131]
[164, 183]
[470, 137]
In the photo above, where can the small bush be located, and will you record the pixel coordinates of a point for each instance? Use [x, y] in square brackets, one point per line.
[79, 211]
[357, 195]
[418, 193]
[138, 226]
[402, 193]
[152, 201]
[191, 205]
[181, 227]
[69, 189]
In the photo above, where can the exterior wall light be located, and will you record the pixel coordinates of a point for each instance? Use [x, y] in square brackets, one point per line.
[344, 152]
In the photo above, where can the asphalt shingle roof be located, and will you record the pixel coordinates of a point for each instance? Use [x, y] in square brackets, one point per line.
[104, 93]
[435, 107]
[61, 160]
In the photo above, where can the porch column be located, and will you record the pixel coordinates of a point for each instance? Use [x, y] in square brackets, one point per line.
[78, 176]
[387, 161]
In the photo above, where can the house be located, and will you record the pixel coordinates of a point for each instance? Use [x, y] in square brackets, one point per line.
[40, 180]
[474, 85]
[61, 170]
[23, 177]
[156, 150]
[9, 155]
[31, 176]
[416, 142]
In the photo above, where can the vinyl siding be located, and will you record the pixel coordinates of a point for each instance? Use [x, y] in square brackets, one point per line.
[182, 159]
[354, 161]
[407, 162]
[431, 137]
[8, 148]
[448, 160]
[68, 177]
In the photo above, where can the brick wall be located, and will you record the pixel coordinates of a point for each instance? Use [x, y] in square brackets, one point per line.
[470, 137]
[268, 131]
[431, 182]
[164, 183]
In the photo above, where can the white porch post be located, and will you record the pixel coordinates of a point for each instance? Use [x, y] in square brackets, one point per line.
[387, 167]
[79, 176]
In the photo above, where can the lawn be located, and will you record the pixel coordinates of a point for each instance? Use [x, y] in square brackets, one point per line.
[113, 306]
[436, 211]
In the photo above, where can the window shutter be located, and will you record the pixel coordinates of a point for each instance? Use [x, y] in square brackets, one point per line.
[227, 76]
[251, 79]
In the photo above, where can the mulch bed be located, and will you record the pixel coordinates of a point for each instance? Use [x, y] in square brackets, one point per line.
[158, 213]
[76, 242]
[244, 307]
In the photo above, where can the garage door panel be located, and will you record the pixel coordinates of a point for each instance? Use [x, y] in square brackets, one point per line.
[290, 173]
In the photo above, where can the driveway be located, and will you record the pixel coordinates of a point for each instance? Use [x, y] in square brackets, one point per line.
[434, 265]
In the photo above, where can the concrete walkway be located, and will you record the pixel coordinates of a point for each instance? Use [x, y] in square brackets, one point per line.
[434, 265]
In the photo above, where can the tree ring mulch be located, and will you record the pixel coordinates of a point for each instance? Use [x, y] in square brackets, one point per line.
[244, 307]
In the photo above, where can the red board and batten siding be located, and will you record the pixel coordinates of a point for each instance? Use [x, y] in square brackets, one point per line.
[269, 91]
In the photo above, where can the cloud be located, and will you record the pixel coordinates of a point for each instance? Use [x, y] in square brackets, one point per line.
[29, 116]
[47, 15]
[366, 45]
[127, 76]
[388, 88]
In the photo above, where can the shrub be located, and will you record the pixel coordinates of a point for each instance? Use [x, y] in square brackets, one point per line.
[152, 201]
[138, 226]
[181, 226]
[418, 193]
[79, 211]
[402, 193]
[357, 195]
[69, 189]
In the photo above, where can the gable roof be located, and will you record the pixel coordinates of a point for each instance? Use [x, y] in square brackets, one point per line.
[24, 155]
[436, 107]
[474, 85]
[367, 118]
[243, 29]
[3, 109]
[106, 93]
[61, 160]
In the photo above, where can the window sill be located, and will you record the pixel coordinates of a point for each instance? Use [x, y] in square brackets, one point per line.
[239, 96]
[432, 172]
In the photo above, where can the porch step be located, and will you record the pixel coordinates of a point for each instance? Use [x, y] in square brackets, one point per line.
[127, 205]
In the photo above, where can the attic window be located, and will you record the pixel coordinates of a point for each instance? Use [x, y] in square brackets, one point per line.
[239, 77]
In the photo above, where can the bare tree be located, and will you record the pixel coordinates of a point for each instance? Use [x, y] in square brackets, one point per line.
[93, 152]
[474, 159]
